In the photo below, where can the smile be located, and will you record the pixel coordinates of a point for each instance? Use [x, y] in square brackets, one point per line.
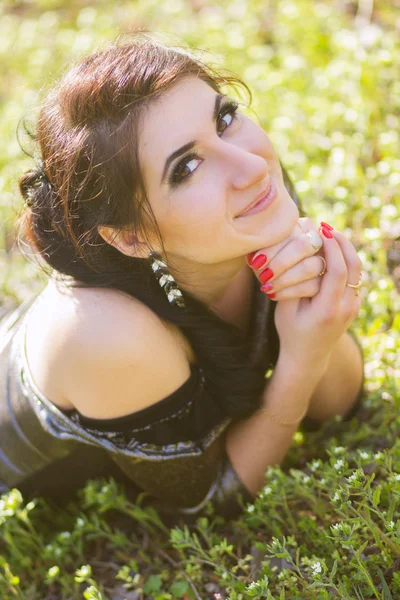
[264, 203]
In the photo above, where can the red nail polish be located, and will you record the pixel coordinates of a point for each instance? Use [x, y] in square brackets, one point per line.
[250, 258]
[258, 262]
[326, 226]
[326, 233]
[265, 275]
[266, 287]
[272, 296]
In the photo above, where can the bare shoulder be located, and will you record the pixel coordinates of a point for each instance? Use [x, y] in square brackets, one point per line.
[121, 356]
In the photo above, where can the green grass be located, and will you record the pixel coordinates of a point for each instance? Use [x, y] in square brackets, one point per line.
[325, 81]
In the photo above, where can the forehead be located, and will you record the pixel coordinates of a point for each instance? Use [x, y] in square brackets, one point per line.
[175, 118]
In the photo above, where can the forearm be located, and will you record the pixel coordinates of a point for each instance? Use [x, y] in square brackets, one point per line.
[255, 443]
[338, 388]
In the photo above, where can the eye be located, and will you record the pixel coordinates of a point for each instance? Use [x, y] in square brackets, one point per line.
[229, 109]
[182, 171]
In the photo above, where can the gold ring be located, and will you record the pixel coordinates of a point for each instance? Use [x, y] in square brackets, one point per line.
[324, 267]
[355, 287]
[315, 239]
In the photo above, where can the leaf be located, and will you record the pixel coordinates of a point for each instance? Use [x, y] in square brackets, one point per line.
[386, 591]
[376, 497]
[179, 588]
[153, 584]
[334, 569]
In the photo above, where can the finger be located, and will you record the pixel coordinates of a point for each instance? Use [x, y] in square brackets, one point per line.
[294, 252]
[306, 224]
[353, 263]
[334, 280]
[304, 289]
[259, 258]
[302, 271]
[256, 260]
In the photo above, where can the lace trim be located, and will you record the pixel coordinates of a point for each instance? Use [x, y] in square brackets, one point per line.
[178, 414]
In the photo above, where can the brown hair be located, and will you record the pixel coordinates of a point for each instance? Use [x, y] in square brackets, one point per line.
[89, 175]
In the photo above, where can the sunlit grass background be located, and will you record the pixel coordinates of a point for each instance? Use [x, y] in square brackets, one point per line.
[326, 87]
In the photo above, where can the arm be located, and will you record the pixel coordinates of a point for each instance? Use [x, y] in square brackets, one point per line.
[327, 391]
[258, 442]
[342, 383]
[312, 335]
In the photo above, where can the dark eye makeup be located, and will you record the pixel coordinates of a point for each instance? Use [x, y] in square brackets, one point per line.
[175, 178]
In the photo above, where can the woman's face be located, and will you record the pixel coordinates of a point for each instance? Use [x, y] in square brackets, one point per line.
[196, 199]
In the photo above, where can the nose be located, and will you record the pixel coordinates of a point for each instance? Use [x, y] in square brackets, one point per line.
[246, 168]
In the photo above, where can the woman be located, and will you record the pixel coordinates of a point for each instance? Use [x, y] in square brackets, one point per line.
[186, 275]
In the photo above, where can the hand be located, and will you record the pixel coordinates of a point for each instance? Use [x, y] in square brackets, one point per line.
[291, 268]
[309, 329]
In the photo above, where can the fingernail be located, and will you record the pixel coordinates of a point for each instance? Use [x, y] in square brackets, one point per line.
[265, 275]
[326, 233]
[272, 296]
[266, 287]
[250, 258]
[258, 262]
[326, 226]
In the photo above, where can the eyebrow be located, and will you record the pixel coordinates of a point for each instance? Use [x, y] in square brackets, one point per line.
[190, 145]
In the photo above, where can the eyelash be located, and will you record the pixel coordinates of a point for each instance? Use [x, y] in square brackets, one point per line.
[229, 107]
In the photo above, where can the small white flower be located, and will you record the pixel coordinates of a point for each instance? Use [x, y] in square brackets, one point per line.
[352, 477]
[397, 477]
[267, 490]
[338, 450]
[306, 479]
[316, 567]
[250, 508]
[338, 464]
[364, 455]
[315, 465]
[282, 574]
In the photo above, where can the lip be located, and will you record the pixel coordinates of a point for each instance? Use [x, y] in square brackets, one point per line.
[263, 201]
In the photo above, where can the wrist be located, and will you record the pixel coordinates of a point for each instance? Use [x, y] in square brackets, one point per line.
[289, 390]
[299, 369]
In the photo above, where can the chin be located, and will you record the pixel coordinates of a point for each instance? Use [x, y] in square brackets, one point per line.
[281, 223]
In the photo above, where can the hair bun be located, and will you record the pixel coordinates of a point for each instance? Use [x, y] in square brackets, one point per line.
[31, 182]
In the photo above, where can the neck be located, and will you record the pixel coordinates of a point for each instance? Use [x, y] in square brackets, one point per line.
[223, 287]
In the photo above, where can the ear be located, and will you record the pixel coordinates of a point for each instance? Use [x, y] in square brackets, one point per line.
[124, 241]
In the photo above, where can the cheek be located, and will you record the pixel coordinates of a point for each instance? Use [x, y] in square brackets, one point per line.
[199, 213]
[203, 201]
